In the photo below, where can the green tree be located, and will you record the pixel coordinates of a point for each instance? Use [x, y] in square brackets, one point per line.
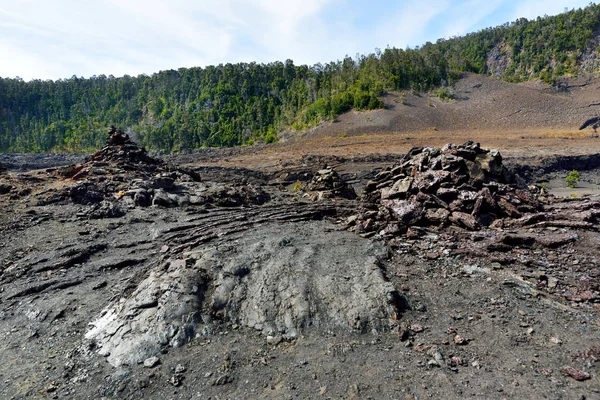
[572, 179]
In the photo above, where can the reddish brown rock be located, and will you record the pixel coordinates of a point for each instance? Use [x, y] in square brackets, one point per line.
[465, 220]
[576, 374]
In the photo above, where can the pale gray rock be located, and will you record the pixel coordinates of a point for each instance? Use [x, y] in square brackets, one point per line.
[276, 279]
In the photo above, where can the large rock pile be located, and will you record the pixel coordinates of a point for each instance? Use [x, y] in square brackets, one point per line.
[326, 183]
[122, 175]
[121, 149]
[465, 186]
[110, 173]
[120, 154]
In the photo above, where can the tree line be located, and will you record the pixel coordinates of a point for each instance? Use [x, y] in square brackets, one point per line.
[246, 103]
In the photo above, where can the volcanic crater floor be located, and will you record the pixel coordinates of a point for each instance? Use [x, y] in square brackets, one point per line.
[223, 283]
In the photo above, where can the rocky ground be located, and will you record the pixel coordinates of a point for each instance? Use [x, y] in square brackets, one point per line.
[439, 273]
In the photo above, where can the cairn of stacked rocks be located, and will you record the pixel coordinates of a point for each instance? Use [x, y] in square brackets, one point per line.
[119, 154]
[326, 184]
[122, 175]
[459, 185]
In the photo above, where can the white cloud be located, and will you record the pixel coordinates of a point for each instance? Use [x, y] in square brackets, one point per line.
[531, 9]
[18, 63]
[286, 29]
[414, 19]
[467, 15]
[58, 39]
[136, 36]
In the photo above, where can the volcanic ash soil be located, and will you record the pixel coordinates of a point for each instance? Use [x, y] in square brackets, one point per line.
[441, 276]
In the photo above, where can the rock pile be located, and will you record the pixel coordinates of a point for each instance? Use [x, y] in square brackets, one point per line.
[120, 154]
[326, 183]
[464, 186]
[122, 175]
[110, 173]
[121, 149]
[3, 169]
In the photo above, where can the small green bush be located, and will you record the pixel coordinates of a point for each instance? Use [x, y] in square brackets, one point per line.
[572, 179]
[444, 94]
[271, 136]
[341, 103]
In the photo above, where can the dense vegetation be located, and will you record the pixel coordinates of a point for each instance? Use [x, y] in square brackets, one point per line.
[237, 104]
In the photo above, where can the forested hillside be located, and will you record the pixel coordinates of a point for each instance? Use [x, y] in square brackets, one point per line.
[237, 104]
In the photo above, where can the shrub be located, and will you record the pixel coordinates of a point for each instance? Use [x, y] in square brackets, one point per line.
[375, 103]
[271, 136]
[341, 103]
[361, 100]
[572, 179]
[444, 94]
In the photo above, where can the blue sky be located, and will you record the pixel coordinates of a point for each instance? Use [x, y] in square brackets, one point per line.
[41, 39]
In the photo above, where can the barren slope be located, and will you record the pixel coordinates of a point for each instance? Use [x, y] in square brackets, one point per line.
[480, 104]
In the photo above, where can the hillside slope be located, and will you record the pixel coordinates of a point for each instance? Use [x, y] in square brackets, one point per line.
[530, 120]
[481, 104]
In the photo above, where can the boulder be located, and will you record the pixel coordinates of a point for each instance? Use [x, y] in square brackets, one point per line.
[398, 190]
[141, 198]
[438, 216]
[162, 199]
[405, 211]
[465, 220]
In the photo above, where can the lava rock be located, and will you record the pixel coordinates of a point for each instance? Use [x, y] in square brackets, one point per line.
[460, 185]
[151, 362]
[327, 183]
[5, 188]
[576, 374]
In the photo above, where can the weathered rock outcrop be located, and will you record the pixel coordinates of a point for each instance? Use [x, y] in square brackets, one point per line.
[278, 279]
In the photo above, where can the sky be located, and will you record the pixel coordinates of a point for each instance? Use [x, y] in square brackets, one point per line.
[42, 39]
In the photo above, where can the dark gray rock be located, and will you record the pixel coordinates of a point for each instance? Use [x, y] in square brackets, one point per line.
[5, 188]
[162, 199]
[141, 198]
[469, 184]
